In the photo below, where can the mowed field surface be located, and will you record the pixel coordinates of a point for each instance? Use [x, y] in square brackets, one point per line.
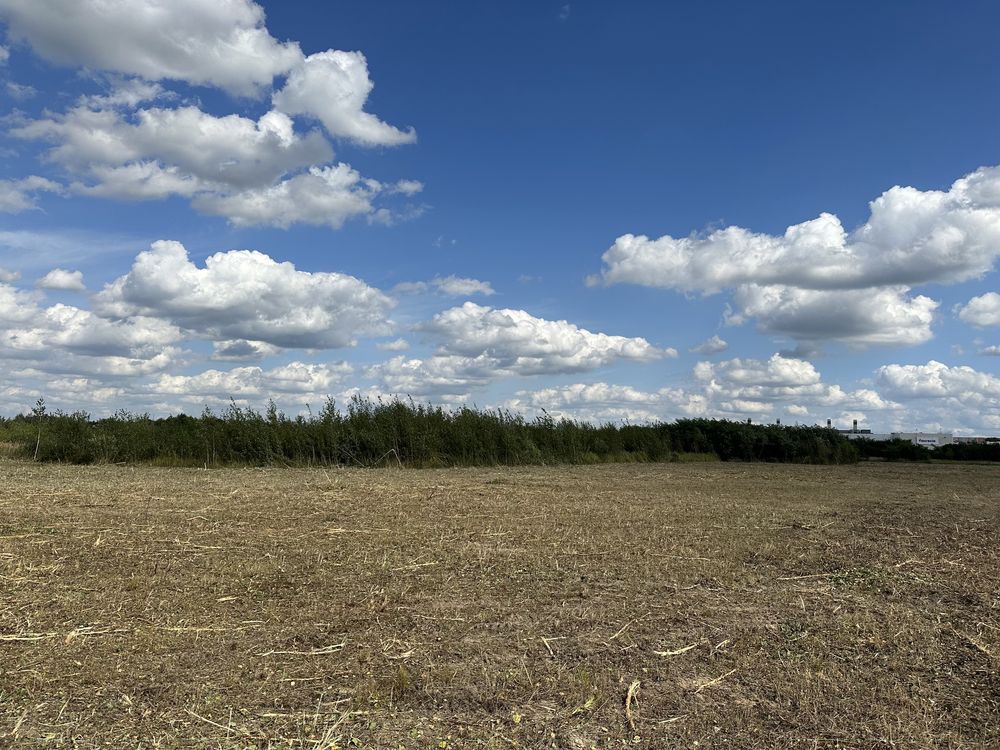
[644, 606]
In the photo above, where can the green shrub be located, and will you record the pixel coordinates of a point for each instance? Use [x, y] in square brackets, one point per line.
[389, 432]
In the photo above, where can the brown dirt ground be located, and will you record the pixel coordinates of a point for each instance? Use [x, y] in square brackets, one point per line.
[645, 606]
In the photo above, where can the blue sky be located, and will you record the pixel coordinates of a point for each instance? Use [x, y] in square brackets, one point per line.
[533, 205]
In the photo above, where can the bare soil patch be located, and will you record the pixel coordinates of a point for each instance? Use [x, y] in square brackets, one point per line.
[645, 606]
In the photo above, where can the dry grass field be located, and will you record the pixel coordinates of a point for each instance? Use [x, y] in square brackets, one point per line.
[644, 606]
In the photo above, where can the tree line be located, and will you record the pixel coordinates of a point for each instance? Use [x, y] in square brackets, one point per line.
[377, 432]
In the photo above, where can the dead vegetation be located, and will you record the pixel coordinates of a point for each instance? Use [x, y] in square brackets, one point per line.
[648, 606]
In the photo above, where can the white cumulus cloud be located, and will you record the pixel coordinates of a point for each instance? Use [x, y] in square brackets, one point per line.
[713, 345]
[254, 382]
[241, 349]
[16, 305]
[322, 196]
[943, 395]
[19, 195]
[396, 345]
[777, 372]
[603, 402]
[80, 331]
[518, 340]
[780, 387]
[911, 237]
[737, 387]
[938, 380]
[264, 171]
[332, 87]
[454, 286]
[246, 295]
[441, 375]
[886, 316]
[69, 340]
[59, 279]
[982, 311]
[819, 282]
[478, 345]
[222, 43]
[251, 172]
[229, 166]
[216, 152]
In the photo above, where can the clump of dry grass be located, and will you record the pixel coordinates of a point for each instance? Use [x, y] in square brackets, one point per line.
[731, 605]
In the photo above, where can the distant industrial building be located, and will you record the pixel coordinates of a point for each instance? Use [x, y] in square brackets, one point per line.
[977, 439]
[929, 440]
[925, 439]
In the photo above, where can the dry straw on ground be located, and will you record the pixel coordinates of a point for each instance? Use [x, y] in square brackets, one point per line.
[732, 606]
